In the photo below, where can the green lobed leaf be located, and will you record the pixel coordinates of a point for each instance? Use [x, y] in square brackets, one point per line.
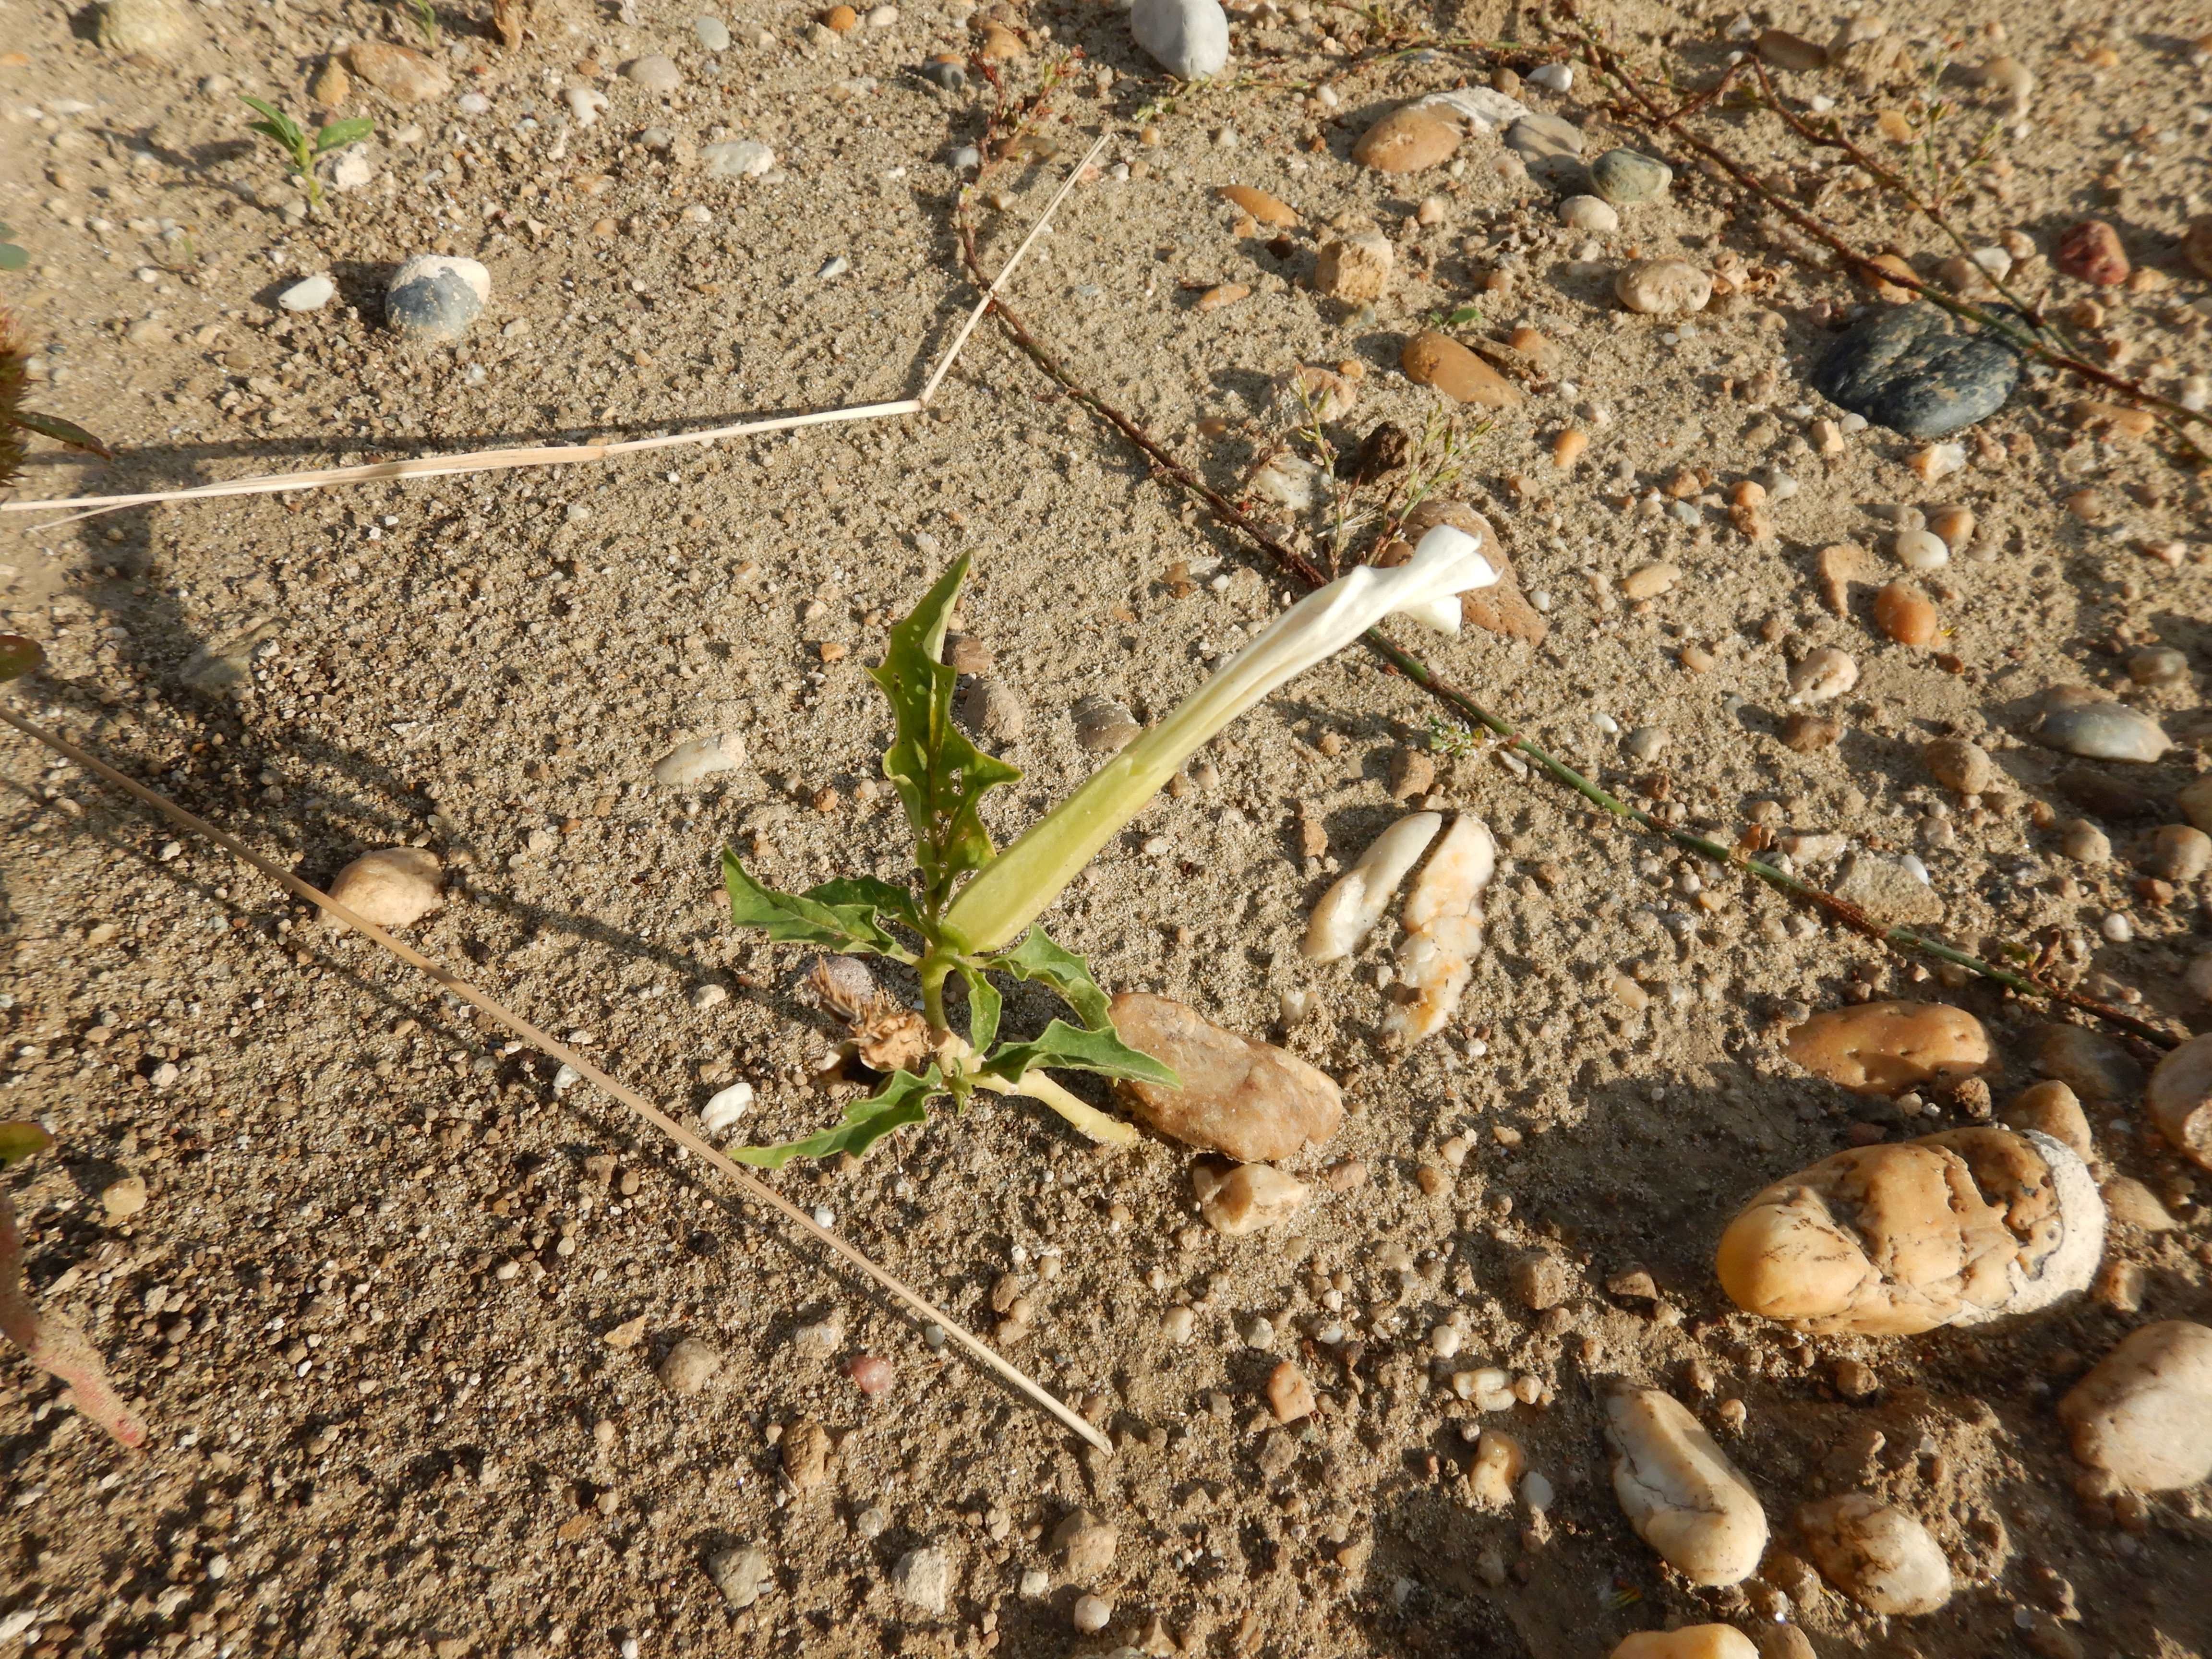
[1074, 1048]
[841, 915]
[18, 1140]
[62, 432]
[866, 892]
[904, 1099]
[984, 1004]
[18, 656]
[277, 125]
[939, 774]
[339, 133]
[1038, 958]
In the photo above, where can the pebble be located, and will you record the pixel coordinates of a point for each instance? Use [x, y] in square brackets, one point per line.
[2090, 251]
[1086, 1546]
[1893, 891]
[1626, 177]
[655, 72]
[154, 29]
[1590, 214]
[2083, 843]
[1889, 1048]
[1187, 37]
[689, 1367]
[1409, 139]
[2196, 803]
[1650, 580]
[400, 73]
[1486, 109]
[1250, 1199]
[1540, 1281]
[922, 1578]
[585, 104]
[1690, 1641]
[1786, 50]
[841, 20]
[433, 298]
[2179, 853]
[1822, 673]
[1355, 269]
[871, 1374]
[2128, 1203]
[697, 759]
[1498, 1461]
[1960, 764]
[993, 707]
[725, 1108]
[2179, 1098]
[1290, 1396]
[740, 158]
[1246, 1098]
[1103, 725]
[392, 886]
[1916, 371]
[741, 1572]
[1921, 551]
[2104, 730]
[1890, 1240]
[2143, 1414]
[121, 1200]
[1679, 1491]
[714, 33]
[2050, 1108]
[1552, 77]
[2159, 666]
[1437, 360]
[1264, 209]
[1663, 288]
[1877, 1554]
[1906, 614]
[1092, 1613]
[1549, 147]
[1352, 906]
[312, 295]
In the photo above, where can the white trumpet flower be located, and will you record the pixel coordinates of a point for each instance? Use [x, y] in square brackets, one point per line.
[1017, 886]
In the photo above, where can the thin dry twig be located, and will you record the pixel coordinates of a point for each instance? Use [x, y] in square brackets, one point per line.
[554, 1049]
[1288, 559]
[497, 460]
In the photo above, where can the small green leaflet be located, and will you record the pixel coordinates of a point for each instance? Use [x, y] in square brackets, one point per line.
[62, 432]
[902, 1100]
[839, 915]
[277, 125]
[984, 1004]
[18, 1140]
[1075, 1049]
[18, 656]
[340, 133]
[1036, 957]
[939, 775]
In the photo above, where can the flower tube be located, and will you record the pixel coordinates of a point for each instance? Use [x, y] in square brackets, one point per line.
[1012, 890]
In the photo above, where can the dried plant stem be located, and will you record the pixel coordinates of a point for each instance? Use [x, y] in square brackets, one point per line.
[554, 1049]
[496, 460]
[55, 1345]
[2172, 417]
[1302, 569]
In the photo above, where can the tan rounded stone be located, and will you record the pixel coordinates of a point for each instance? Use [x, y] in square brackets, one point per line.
[2179, 1098]
[2144, 1413]
[392, 887]
[1250, 1199]
[1691, 1642]
[401, 74]
[1437, 360]
[1249, 1099]
[1679, 1491]
[2050, 1108]
[1887, 1048]
[1663, 288]
[1954, 1229]
[1876, 1553]
[1267, 209]
[1355, 269]
[1290, 1396]
[1906, 614]
[1407, 140]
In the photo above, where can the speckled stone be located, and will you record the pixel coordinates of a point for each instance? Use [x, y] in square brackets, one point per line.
[1915, 370]
[2104, 730]
[1625, 176]
[1551, 148]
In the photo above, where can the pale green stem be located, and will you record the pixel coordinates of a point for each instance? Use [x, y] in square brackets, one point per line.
[1015, 888]
[1108, 1131]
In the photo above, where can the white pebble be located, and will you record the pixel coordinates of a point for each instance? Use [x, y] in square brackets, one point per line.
[1177, 1324]
[1921, 550]
[1444, 1341]
[566, 1079]
[1536, 1490]
[824, 1216]
[1093, 1614]
[722, 1112]
[1552, 77]
[2116, 928]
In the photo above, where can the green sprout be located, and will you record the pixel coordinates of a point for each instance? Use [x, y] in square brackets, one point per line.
[302, 150]
[974, 912]
[426, 19]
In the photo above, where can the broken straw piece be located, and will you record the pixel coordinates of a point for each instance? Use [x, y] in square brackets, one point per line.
[1347, 913]
[1443, 930]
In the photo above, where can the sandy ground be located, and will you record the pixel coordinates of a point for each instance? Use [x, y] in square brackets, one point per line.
[377, 1384]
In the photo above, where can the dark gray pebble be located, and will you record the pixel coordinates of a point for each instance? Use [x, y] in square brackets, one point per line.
[1916, 370]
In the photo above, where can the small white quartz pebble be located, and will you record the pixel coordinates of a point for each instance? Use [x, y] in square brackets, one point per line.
[725, 1108]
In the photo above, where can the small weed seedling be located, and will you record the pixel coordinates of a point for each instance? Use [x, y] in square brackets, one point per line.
[15, 420]
[300, 150]
[973, 903]
[426, 19]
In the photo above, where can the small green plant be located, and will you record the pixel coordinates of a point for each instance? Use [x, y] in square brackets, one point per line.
[301, 149]
[426, 19]
[15, 420]
[972, 915]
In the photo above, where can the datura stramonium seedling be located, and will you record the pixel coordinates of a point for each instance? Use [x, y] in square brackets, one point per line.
[973, 912]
